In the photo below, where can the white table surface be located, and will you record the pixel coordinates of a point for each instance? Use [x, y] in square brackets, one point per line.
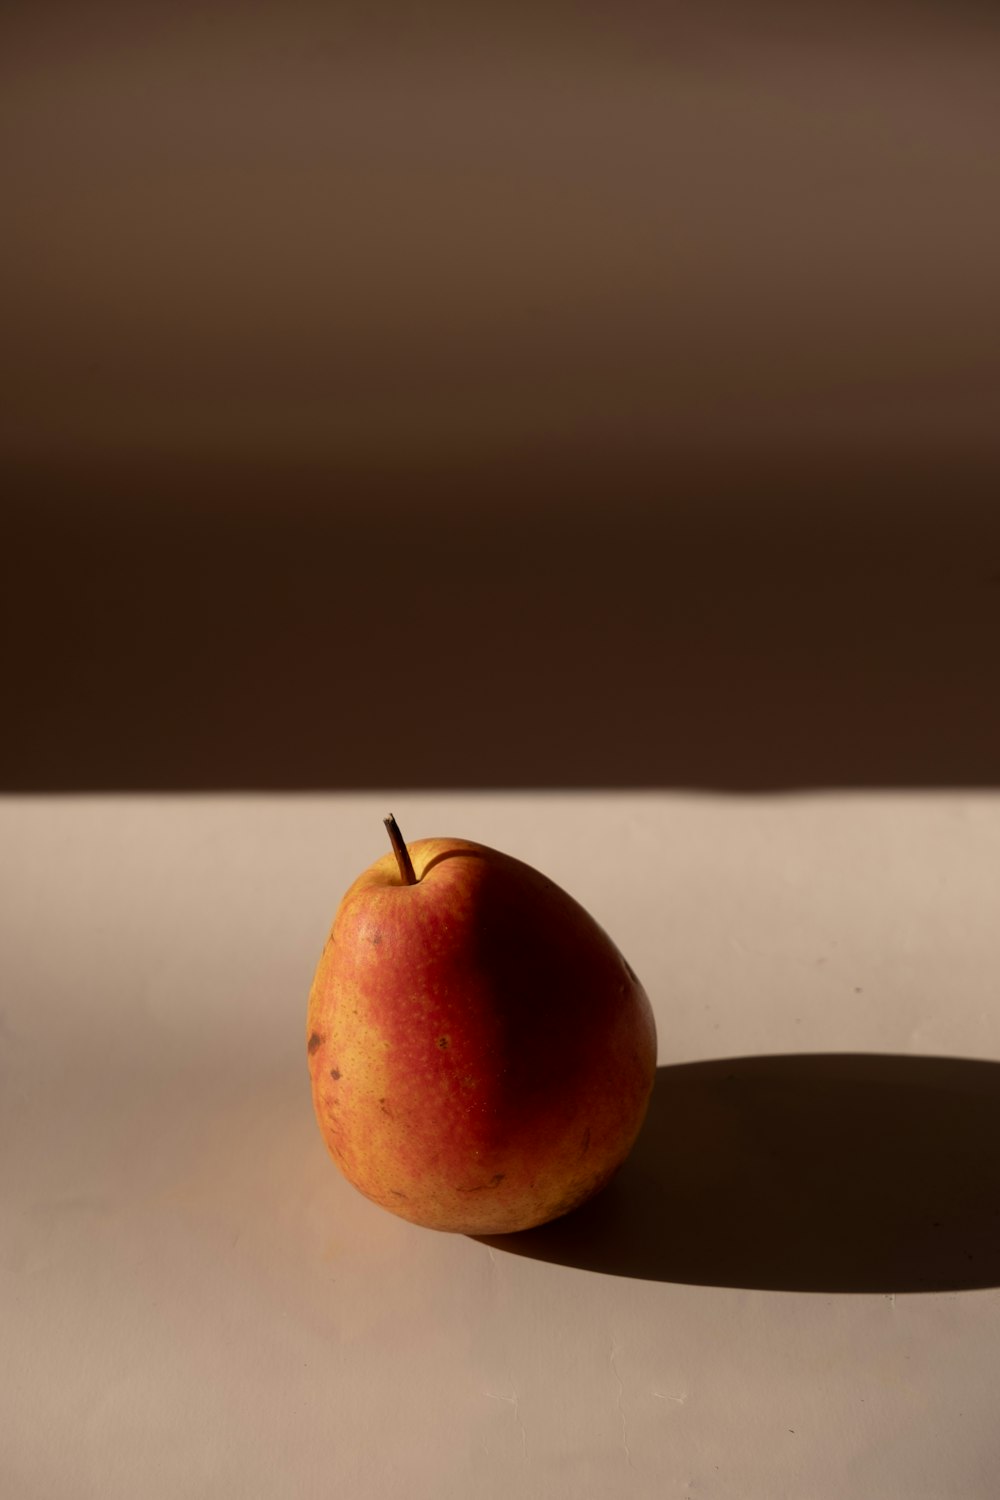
[194, 1303]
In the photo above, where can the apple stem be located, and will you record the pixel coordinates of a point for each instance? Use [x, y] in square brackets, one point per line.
[407, 874]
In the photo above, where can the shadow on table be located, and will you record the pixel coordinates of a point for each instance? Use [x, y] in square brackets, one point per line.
[832, 1173]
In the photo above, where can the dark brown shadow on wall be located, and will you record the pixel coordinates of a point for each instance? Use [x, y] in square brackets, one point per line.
[819, 1173]
[671, 622]
[499, 396]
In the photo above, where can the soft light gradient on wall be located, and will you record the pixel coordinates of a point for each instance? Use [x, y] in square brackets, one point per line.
[500, 397]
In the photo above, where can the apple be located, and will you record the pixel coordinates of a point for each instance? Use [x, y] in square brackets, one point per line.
[481, 1054]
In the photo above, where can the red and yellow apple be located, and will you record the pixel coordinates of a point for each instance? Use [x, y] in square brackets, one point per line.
[481, 1054]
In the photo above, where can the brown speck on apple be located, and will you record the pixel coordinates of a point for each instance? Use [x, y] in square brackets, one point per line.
[481, 1187]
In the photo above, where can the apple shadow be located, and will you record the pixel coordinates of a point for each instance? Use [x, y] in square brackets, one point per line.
[806, 1173]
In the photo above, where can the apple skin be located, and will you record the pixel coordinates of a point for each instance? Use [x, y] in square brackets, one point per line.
[481, 1054]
